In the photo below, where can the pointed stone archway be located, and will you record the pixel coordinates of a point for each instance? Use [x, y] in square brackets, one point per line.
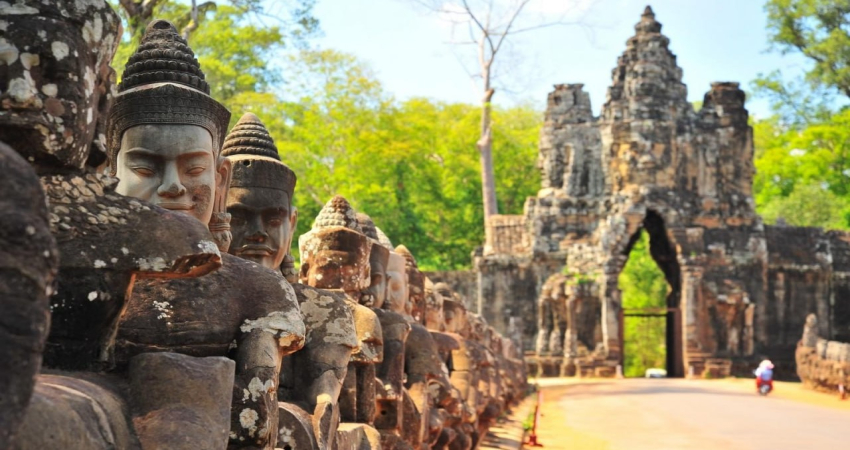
[663, 253]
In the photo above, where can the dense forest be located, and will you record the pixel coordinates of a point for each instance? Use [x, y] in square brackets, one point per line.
[412, 164]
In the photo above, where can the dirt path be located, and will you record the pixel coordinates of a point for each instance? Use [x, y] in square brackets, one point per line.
[641, 414]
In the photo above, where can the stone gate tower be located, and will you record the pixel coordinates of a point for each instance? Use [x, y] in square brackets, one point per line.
[651, 162]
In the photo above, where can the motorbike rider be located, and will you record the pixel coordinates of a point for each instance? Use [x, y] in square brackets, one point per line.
[764, 375]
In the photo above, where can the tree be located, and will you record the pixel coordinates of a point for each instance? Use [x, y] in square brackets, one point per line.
[295, 23]
[403, 163]
[489, 25]
[138, 13]
[819, 30]
[803, 176]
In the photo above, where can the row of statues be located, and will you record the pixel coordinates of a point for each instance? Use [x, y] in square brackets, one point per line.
[152, 299]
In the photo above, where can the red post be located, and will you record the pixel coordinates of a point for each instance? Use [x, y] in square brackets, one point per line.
[532, 438]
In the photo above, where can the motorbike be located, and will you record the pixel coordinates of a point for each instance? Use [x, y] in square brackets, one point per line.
[764, 387]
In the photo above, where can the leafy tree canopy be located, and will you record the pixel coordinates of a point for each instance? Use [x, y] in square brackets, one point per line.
[411, 165]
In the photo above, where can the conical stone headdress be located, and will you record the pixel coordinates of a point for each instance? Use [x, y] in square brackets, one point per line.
[337, 212]
[163, 84]
[256, 162]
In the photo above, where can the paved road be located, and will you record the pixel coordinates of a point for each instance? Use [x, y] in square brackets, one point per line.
[640, 414]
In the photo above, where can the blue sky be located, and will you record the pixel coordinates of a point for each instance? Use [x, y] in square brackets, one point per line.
[716, 40]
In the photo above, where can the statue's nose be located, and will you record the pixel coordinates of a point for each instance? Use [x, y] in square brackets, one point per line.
[257, 232]
[171, 186]
[171, 190]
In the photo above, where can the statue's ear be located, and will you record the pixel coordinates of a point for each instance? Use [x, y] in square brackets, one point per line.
[224, 172]
[293, 221]
[220, 221]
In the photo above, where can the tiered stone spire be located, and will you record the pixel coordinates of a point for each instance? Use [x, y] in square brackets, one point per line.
[647, 82]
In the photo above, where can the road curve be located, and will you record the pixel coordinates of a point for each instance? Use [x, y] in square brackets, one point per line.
[677, 414]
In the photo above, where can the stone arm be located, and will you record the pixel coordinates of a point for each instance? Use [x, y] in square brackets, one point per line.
[28, 263]
[260, 349]
[253, 414]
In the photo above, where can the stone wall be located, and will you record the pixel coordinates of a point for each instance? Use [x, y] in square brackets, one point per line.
[822, 364]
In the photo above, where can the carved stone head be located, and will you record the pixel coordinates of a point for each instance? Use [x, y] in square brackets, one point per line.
[434, 319]
[375, 294]
[478, 329]
[57, 81]
[454, 315]
[260, 197]
[335, 253]
[165, 131]
[397, 292]
[415, 285]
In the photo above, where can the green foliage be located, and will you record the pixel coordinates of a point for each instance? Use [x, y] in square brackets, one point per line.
[817, 29]
[803, 176]
[528, 423]
[579, 278]
[412, 166]
[234, 48]
[643, 286]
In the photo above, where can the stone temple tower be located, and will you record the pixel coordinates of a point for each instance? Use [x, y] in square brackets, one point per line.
[651, 163]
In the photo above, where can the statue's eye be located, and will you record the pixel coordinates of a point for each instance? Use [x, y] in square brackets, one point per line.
[195, 170]
[237, 220]
[275, 222]
[143, 171]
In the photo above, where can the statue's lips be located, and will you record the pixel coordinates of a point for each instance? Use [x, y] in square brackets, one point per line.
[174, 206]
[255, 250]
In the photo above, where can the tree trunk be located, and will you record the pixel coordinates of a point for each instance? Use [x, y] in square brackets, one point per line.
[485, 151]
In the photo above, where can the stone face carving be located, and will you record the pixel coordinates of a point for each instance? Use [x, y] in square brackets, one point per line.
[335, 255]
[217, 315]
[260, 197]
[434, 319]
[397, 289]
[263, 221]
[415, 285]
[165, 132]
[56, 118]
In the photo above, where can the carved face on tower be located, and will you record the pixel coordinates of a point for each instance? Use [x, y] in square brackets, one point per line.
[165, 131]
[335, 254]
[56, 79]
[260, 197]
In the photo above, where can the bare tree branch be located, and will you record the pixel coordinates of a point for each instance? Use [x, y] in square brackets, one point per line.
[510, 24]
[490, 31]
